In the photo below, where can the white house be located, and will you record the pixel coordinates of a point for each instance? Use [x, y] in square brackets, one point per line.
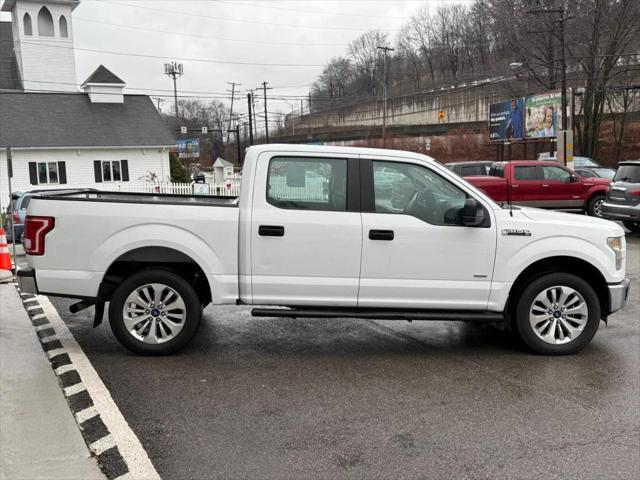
[59, 135]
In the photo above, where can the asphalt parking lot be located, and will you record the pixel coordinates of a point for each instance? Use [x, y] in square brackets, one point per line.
[277, 398]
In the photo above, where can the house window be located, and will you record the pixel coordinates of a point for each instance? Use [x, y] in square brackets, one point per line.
[111, 171]
[28, 28]
[64, 31]
[45, 23]
[47, 173]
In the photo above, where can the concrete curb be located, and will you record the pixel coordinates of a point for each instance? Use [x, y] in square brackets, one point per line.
[95, 433]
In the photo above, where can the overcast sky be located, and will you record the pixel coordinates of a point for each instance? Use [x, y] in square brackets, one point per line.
[304, 35]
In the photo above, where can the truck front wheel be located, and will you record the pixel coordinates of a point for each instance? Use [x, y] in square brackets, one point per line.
[154, 312]
[557, 314]
[594, 206]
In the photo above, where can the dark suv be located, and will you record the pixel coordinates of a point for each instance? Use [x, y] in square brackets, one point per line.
[623, 199]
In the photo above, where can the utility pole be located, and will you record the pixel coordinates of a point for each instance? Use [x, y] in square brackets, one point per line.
[563, 68]
[174, 70]
[266, 121]
[250, 104]
[233, 91]
[384, 113]
[159, 101]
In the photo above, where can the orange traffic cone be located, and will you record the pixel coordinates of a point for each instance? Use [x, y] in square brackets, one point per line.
[6, 269]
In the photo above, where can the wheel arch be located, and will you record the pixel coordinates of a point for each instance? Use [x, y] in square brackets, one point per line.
[560, 264]
[155, 257]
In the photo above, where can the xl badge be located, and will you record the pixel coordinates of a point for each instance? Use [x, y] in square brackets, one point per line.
[520, 232]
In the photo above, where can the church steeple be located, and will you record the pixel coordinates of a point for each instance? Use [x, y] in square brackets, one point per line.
[43, 43]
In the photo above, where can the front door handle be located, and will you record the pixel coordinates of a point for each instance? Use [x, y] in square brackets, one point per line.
[271, 231]
[381, 235]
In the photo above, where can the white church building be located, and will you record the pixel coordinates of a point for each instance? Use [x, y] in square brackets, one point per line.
[59, 132]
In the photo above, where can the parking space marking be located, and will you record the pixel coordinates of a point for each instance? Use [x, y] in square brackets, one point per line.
[86, 414]
[102, 445]
[128, 444]
[73, 389]
[64, 369]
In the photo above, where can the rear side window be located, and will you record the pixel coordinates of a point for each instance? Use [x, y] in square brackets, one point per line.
[526, 173]
[472, 170]
[496, 171]
[307, 183]
[628, 173]
[25, 202]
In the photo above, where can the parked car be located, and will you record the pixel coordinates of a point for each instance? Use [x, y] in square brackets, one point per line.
[577, 162]
[470, 169]
[17, 212]
[623, 199]
[448, 253]
[544, 184]
[603, 172]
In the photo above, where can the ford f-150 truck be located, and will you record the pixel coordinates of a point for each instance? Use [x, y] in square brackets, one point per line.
[543, 184]
[315, 231]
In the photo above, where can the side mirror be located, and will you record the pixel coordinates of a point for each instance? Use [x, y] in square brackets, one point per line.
[472, 213]
[573, 178]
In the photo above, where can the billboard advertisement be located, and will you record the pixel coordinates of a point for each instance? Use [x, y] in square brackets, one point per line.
[188, 148]
[542, 115]
[506, 120]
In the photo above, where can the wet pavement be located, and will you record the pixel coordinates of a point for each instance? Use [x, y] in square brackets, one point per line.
[280, 398]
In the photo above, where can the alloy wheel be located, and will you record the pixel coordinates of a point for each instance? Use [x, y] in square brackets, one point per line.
[558, 314]
[154, 313]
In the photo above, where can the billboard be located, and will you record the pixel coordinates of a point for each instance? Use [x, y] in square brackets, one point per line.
[542, 115]
[506, 120]
[188, 148]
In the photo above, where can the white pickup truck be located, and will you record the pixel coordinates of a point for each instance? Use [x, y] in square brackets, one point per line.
[327, 232]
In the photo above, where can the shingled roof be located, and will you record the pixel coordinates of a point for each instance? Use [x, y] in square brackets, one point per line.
[103, 75]
[71, 120]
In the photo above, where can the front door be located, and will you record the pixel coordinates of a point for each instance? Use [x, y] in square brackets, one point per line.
[416, 253]
[562, 191]
[306, 230]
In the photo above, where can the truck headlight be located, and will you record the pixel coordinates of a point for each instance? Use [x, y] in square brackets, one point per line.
[615, 244]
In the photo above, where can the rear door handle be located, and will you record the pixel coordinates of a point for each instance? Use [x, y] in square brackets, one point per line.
[381, 235]
[271, 231]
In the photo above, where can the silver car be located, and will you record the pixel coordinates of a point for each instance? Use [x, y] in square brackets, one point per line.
[623, 199]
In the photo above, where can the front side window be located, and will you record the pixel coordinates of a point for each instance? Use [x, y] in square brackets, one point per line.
[47, 172]
[555, 173]
[404, 188]
[307, 183]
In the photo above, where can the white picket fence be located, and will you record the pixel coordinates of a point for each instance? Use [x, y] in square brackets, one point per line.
[231, 188]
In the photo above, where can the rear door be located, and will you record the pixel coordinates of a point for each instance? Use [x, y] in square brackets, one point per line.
[526, 185]
[306, 230]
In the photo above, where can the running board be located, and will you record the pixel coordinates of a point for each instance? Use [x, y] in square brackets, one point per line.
[380, 314]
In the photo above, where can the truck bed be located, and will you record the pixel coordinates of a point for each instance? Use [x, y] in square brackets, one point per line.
[130, 197]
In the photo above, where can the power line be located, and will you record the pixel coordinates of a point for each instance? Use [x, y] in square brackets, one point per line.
[164, 57]
[227, 19]
[210, 37]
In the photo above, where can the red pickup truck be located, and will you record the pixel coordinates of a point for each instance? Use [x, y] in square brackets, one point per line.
[542, 184]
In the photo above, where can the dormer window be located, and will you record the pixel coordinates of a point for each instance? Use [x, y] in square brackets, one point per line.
[28, 28]
[45, 23]
[64, 32]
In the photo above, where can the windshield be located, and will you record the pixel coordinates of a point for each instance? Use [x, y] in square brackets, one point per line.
[628, 173]
[585, 162]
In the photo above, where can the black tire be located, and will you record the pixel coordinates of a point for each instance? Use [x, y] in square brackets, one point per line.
[632, 226]
[171, 280]
[525, 302]
[594, 206]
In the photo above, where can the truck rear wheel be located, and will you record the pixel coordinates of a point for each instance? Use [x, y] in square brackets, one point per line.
[557, 314]
[154, 312]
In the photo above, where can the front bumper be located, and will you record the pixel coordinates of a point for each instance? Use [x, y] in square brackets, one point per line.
[618, 294]
[27, 280]
[615, 211]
